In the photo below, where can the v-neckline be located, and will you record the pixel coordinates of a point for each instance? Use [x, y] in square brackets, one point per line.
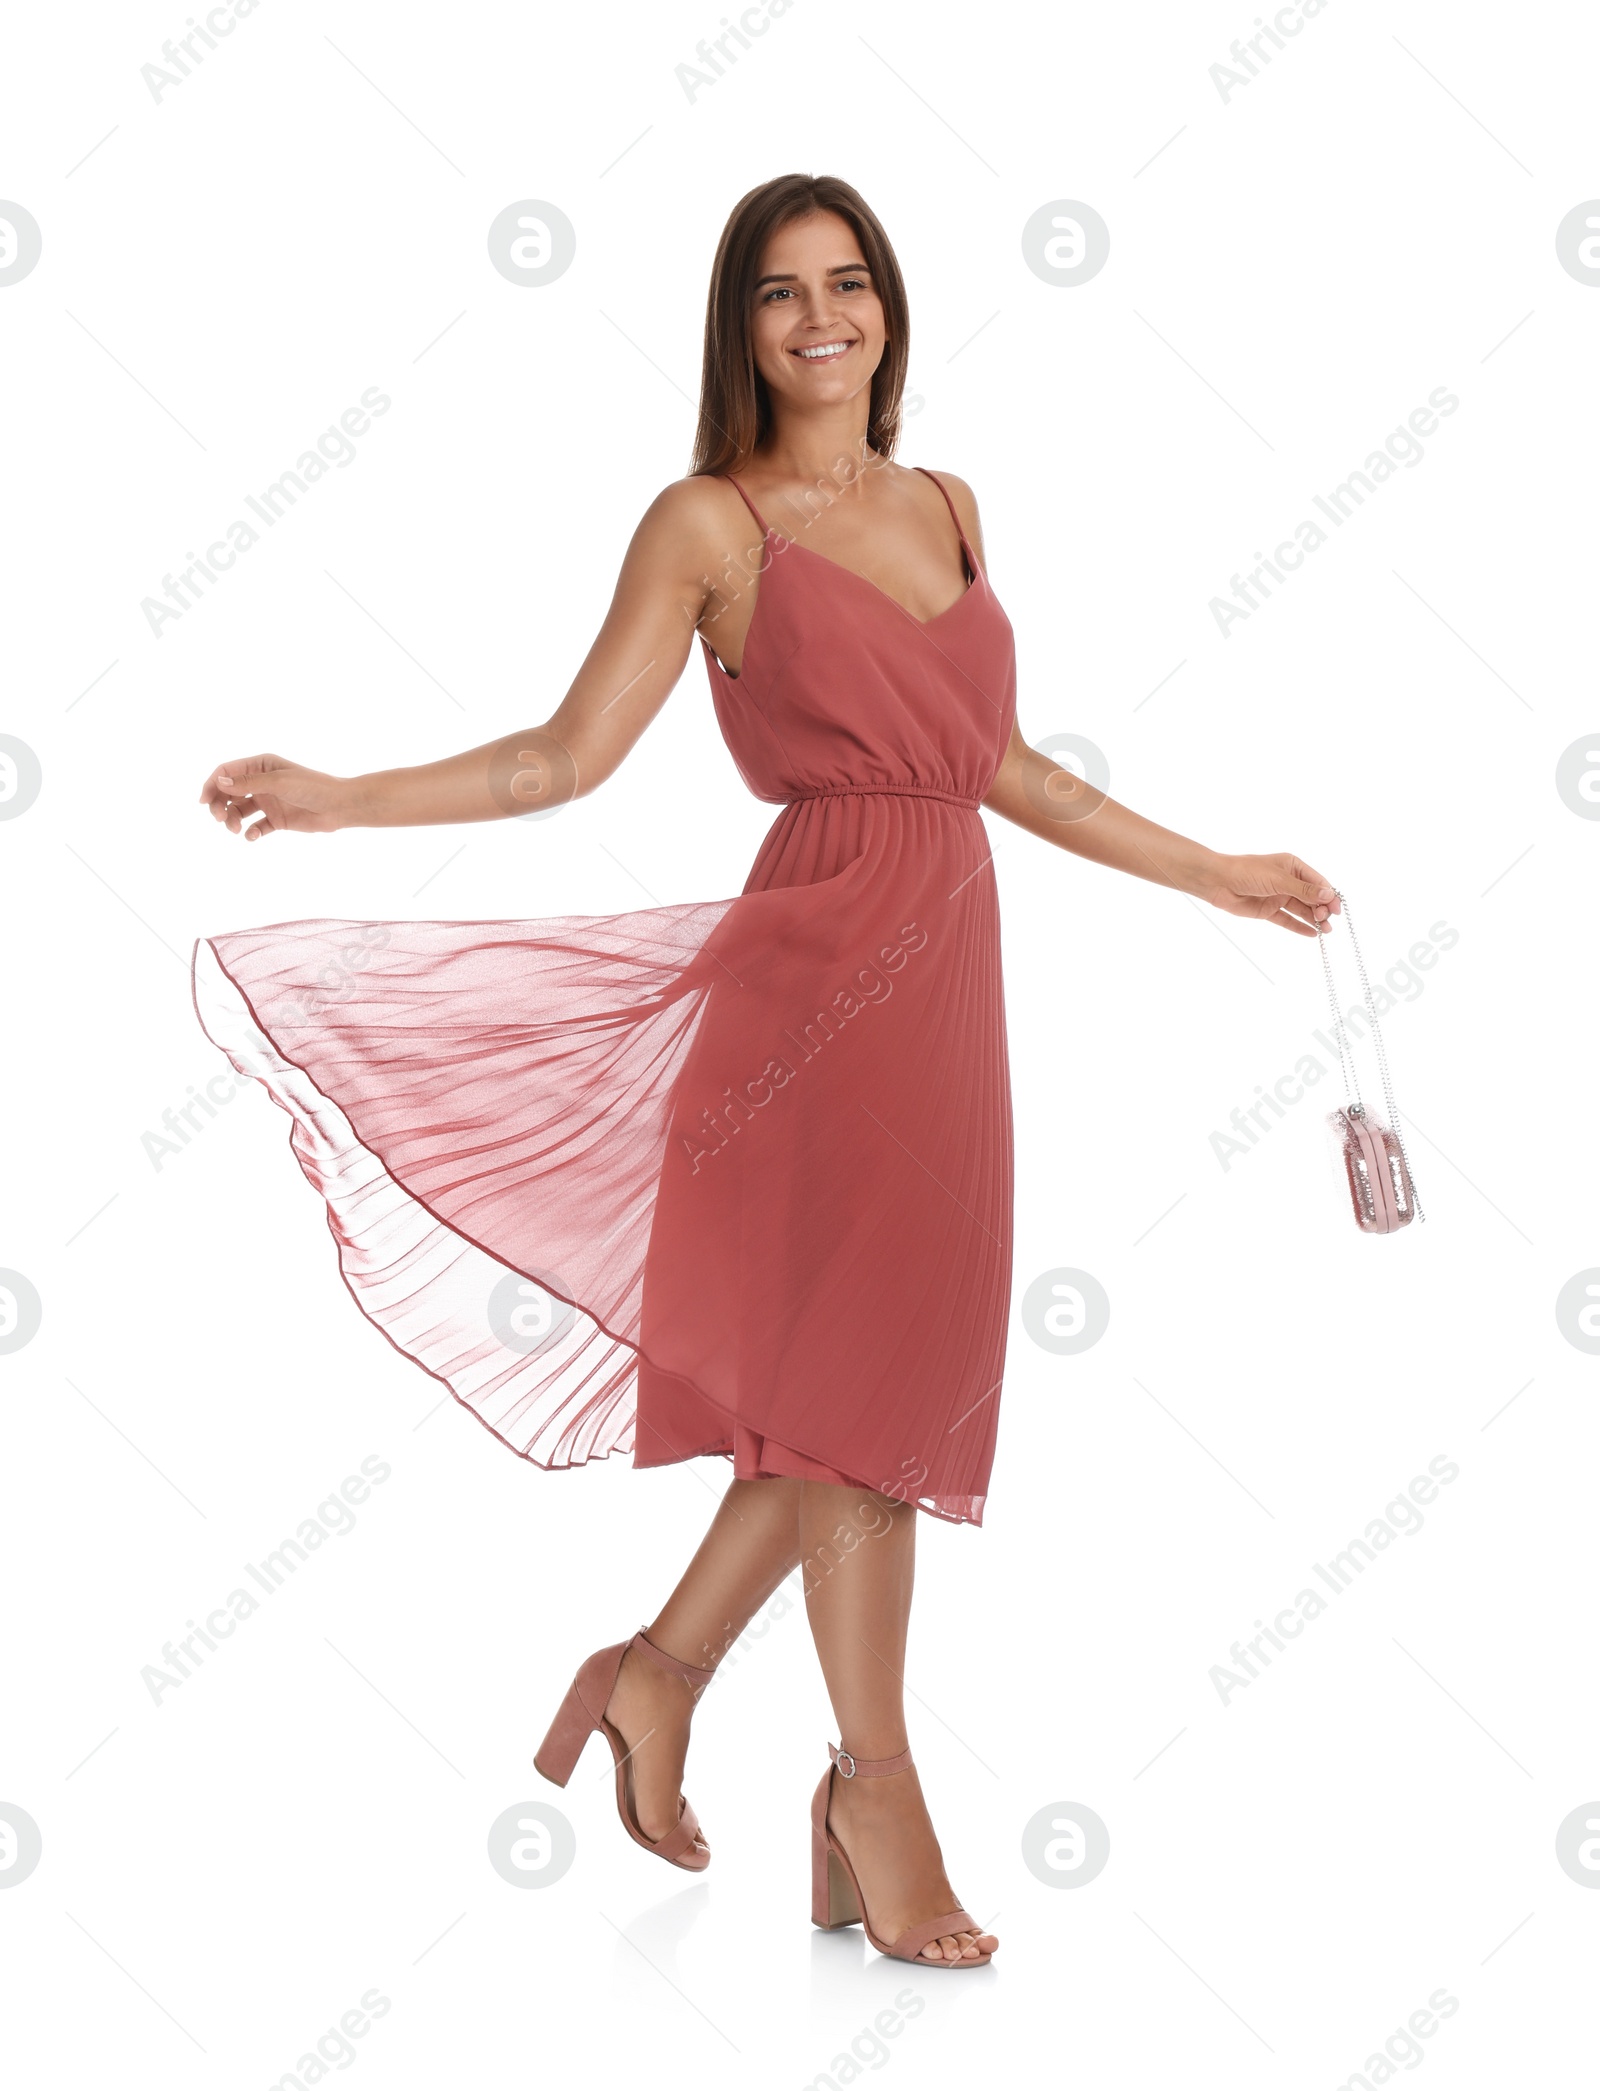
[793, 544]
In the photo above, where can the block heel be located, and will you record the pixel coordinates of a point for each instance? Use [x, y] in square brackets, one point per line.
[557, 1756]
[833, 1900]
[836, 1897]
[582, 1713]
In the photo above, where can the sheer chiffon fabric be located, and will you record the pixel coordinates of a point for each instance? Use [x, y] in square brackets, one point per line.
[728, 1177]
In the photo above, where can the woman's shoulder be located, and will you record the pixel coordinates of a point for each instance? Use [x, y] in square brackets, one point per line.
[958, 488]
[703, 509]
[964, 500]
[692, 526]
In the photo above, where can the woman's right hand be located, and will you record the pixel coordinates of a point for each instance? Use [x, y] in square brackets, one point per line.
[260, 794]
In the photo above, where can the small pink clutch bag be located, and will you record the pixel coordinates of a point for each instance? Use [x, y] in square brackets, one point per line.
[1374, 1156]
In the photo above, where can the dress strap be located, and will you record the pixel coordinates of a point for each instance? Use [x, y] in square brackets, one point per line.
[972, 564]
[745, 498]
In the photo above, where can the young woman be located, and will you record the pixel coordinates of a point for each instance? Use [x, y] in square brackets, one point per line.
[732, 1177]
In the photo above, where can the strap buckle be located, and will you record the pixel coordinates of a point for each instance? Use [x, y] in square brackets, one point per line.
[840, 1760]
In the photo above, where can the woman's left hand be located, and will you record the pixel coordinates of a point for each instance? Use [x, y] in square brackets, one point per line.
[1282, 889]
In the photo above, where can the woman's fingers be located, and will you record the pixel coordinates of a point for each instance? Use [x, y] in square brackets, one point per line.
[1303, 911]
[243, 814]
[235, 779]
[1281, 908]
[1306, 884]
[240, 811]
[1283, 889]
[265, 795]
[1288, 921]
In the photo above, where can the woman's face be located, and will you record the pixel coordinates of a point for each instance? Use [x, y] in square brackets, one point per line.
[813, 292]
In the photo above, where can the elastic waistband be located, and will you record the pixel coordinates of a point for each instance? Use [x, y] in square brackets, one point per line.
[881, 791]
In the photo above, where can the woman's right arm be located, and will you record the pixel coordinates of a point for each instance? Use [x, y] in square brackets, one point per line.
[629, 672]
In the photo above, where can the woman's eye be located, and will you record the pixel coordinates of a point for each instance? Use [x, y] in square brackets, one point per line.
[783, 290]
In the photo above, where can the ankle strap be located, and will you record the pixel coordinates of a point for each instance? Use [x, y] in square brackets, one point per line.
[867, 1767]
[659, 1656]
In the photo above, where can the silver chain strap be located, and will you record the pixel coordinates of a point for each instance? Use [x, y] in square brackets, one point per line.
[1352, 1092]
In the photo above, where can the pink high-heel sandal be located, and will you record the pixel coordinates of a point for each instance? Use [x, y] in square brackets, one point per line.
[836, 1897]
[582, 1713]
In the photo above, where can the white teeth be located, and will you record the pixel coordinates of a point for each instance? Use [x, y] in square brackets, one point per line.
[815, 355]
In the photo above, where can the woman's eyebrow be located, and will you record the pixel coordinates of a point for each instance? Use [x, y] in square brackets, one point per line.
[855, 268]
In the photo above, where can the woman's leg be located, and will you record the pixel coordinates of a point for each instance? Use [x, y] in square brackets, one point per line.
[857, 1553]
[752, 1544]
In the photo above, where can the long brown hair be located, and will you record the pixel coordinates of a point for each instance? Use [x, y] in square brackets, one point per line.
[735, 407]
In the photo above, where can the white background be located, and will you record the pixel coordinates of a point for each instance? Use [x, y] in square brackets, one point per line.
[1292, 271]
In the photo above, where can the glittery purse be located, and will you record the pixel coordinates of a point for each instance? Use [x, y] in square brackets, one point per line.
[1373, 1155]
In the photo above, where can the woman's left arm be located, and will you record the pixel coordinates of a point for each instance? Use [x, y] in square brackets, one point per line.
[1058, 806]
